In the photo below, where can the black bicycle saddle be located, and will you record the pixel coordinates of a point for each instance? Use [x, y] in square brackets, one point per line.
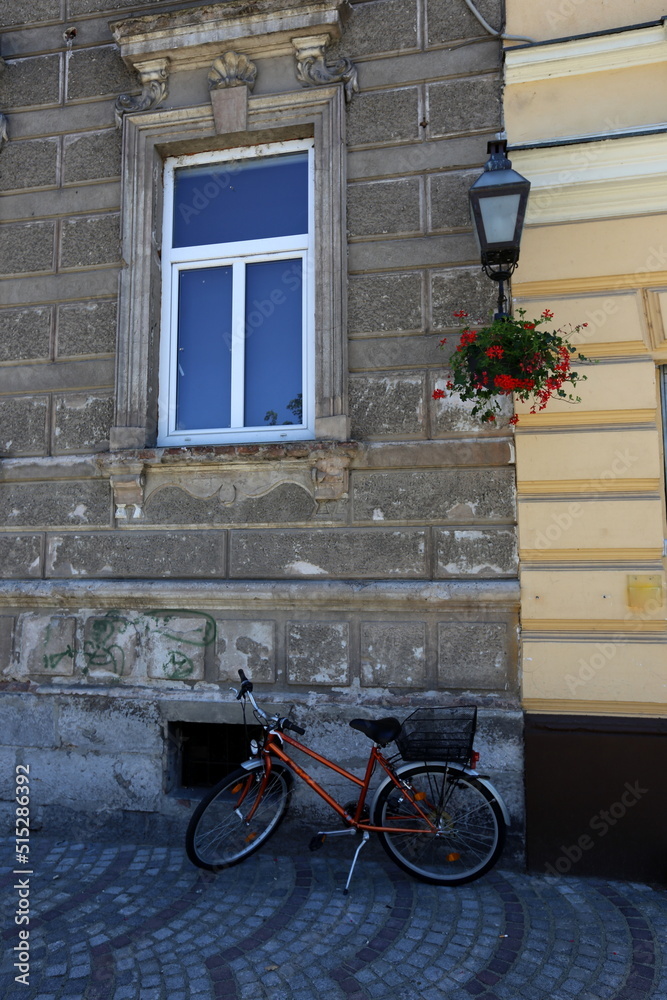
[381, 731]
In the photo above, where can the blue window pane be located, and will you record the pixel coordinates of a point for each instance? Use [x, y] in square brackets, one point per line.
[241, 200]
[203, 379]
[273, 339]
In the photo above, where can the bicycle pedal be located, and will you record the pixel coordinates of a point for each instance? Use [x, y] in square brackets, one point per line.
[317, 841]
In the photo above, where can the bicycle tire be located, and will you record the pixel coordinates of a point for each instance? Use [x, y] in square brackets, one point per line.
[471, 826]
[217, 836]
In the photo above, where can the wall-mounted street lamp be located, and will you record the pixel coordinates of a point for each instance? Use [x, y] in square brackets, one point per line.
[498, 202]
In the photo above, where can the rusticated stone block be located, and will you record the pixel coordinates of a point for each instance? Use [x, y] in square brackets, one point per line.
[369, 353]
[23, 425]
[98, 71]
[318, 653]
[48, 644]
[387, 406]
[248, 646]
[464, 288]
[90, 241]
[107, 782]
[382, 302]
[26, 247]
[384, 207]
[286, 502]
[472, 655]
[453, 415]
[87, 328]
[87, 502]
[447, 21]
[393, 654]
[92, 155]
[464, 105]
[29, 82]
[388, 26]
[27, 721]
[338, 552]
[25, 333]
[474, 552]
[448, 198]
[134, 554]
[107, 724]
[29, 164]
[426, 494]
[29, 12]
[109, 647]
[20, 556]
[82, 423]
[175, 649]
[385, 116]
[7, 624]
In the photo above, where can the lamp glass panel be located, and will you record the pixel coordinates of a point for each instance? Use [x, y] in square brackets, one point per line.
[499, 215]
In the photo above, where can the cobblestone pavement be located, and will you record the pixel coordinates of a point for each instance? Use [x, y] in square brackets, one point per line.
[140, 923]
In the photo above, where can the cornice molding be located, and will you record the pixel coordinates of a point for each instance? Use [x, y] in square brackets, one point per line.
[193, 38]
[585, 418]
[237, 595]
[595, 180]
[592, 557]
[580, 56]
[566, 706]
[646, 278]
[555, 488]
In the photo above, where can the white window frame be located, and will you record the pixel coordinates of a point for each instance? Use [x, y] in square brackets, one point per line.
[238, 255]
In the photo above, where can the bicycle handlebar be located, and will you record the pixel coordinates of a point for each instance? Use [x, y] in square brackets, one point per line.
[246, 691]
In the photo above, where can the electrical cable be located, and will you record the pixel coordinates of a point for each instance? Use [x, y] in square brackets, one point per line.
[492, 31]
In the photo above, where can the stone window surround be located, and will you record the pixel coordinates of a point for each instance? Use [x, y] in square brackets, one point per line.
[150, 136]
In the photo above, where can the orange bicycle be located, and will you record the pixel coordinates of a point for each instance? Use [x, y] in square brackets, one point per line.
[436, 817]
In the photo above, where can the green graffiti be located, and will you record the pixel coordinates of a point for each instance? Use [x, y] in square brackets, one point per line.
[51, 660]
[204, 635]
[100, 650]
[178, 666]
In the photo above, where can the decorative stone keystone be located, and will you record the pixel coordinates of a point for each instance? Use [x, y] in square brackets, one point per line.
[128, 484]
[313, 69]
[155, 87]
[230, 78]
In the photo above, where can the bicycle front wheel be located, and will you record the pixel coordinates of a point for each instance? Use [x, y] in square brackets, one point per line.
[219, 835]
[467, 829]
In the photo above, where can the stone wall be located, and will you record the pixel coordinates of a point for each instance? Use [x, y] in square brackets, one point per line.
[378, 572]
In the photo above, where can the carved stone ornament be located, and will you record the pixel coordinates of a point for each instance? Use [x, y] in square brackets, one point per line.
[331, 475]
[314, 70]
[155, 87]
[127, 483]
[232, 69]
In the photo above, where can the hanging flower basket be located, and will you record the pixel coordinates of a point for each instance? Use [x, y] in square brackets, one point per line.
[513, 355]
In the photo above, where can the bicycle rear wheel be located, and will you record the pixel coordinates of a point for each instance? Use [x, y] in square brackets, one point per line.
[218, 835]
[469, 825]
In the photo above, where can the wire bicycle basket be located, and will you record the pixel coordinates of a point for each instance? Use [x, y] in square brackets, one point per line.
[439, 734]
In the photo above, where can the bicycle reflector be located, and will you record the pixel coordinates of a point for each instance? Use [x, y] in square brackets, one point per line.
[453, 856]
[474, 759]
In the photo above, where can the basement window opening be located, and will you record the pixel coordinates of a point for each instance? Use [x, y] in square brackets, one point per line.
[207, 752]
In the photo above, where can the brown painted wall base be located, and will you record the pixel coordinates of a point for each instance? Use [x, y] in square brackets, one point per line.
[596, 796]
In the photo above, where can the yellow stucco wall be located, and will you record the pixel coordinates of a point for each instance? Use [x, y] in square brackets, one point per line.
[590, 477]
[561, 18]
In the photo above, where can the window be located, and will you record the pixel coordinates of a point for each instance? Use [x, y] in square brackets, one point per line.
[237, 348]
[304, 123]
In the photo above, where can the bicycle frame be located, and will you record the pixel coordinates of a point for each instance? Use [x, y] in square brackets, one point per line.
[273, 745]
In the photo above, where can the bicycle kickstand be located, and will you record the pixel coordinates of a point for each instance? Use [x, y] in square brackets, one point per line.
[364, 840]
